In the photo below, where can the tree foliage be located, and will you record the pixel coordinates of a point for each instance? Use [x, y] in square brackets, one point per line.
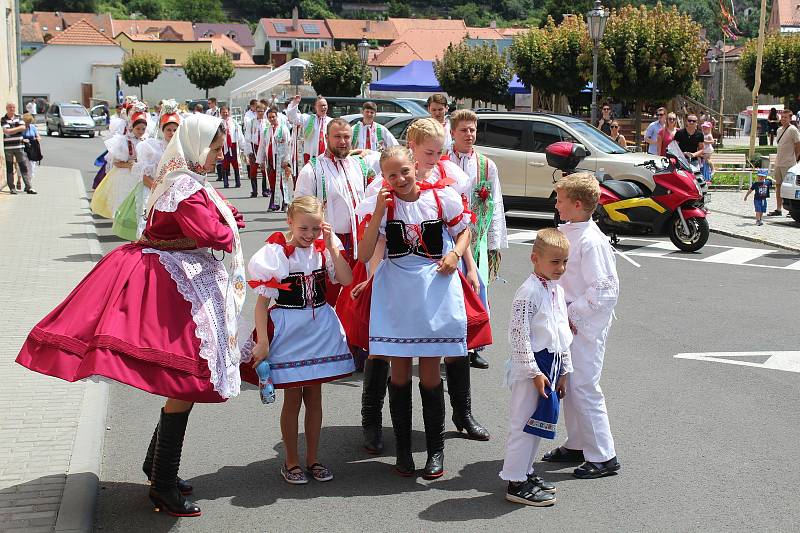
[140, 69]
[554, 59]
[207, 70]
[479, 73]
[649, 53]
[316, 9]
[196, 10]
[70, 6]
[780, 66]
[334, 73]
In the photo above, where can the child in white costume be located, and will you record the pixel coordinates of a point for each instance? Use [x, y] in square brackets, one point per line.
[591, 288]
[537, 368]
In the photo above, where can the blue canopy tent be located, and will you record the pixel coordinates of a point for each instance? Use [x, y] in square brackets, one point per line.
[417, 77]
[517, 87]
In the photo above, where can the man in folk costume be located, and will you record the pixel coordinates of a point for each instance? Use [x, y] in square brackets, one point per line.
[230, 149]
[437, 107]
[254, 136]
[312, 129]
[338, 179]
[368, 134]
[252, 111]
[489, 233]
[273, 156]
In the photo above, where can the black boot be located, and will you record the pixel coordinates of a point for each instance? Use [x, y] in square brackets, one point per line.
[164, 491]
[400, 409]
[458, 387]
[433, 416]
[375, 373]
[254, 187]
[147, 466]
[476, 361]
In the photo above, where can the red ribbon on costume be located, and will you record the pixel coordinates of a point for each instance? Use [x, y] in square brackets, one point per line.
[441, 183]
[288, 249]
[270, 284]
[362, 227]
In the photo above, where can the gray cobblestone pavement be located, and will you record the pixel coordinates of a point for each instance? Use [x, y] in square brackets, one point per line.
[731, 215]
[45, 254]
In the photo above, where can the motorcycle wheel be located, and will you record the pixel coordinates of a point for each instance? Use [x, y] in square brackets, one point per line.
[695, 239]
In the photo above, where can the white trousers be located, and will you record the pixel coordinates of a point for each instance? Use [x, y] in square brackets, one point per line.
[521, 447]
[584, 405]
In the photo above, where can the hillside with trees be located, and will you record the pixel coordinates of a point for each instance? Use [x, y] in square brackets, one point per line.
[476, 13]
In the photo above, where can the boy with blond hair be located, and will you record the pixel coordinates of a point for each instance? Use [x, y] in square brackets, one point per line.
[591, 288]
[536, 371]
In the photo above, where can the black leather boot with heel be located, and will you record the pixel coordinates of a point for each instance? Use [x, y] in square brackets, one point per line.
[400, 409]
[459, 388]
[147, 467]
[433, 416]
[164, 491]
[376, 372]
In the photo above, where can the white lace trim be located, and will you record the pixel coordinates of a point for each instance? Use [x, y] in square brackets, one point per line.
[202, 281]
[182, 188]
[522, 362]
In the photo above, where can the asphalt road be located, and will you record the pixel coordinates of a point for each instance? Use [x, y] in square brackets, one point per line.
[704, 446]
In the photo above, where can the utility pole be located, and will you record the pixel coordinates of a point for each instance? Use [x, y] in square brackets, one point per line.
[757, 84]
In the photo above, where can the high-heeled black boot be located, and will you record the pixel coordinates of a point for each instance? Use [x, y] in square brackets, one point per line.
[147, 467]
[458, 386]
[164, 491]
[376, 372]
[400, 409]
[433, 416]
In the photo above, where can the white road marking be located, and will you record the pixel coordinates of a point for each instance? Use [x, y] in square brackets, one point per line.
[786, 361]
[794, 266]
[737, 256]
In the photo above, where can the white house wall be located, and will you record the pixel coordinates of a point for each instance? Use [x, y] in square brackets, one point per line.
[171, 83]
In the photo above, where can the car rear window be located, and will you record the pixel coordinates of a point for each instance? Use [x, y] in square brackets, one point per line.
[399, 129]
[500, 133]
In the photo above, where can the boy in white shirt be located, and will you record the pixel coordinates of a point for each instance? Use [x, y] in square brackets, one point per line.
[591, 287]
[539, 336]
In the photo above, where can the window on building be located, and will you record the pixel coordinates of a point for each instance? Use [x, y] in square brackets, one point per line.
[284, 44]
[169, 61]
[308, 45]
[236, 56]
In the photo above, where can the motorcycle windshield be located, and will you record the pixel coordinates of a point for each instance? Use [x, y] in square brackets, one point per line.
[674, 150]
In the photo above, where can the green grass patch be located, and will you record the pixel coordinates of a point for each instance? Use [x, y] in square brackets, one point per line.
[728, 178]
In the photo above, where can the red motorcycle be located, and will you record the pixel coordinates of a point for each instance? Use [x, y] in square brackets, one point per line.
[675, 206]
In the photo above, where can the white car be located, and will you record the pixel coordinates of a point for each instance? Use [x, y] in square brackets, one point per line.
[790, 192]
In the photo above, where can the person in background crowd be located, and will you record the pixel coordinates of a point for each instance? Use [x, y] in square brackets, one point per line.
[33, 148]
[708, 151]
[616, 136]
[368, 134]
[690, 139]
[198, 108]
[253, 135]
[774, 123]
[311, 128]
[604, 124]
[213, 110]
[30, 107]
[667, 134]
[273, 156]
[230, 149]
[437, 107]
[788, 141]
[651, 134]
[13, 148]
[251, 112]
[761, 187]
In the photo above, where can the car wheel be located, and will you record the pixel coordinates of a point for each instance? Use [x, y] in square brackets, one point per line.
[795, 214]
[60, 131]
[49, 132]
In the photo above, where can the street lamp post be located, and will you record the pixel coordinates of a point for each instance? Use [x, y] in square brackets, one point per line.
[596, 20]
[363, 55]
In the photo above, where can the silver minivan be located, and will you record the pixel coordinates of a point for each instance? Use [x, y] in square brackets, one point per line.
[69, 119]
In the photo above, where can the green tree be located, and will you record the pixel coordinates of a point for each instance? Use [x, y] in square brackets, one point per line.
[780, 66]
[149, 9]
[479, 73]
[471, 13]
[555, 59]
[207, 70]
[115, 8]
[316, 9]
[398, 9]
[649, 54]
[70, 6]
[196, 10]
[140, 69]
[333, 73]
[295, 53]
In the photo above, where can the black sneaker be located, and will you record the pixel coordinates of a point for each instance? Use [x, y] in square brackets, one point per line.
[541, 483]
[31, 191]
[775, 213]
[527, 493]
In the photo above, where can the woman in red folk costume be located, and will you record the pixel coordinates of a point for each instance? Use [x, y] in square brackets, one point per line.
[160, 314]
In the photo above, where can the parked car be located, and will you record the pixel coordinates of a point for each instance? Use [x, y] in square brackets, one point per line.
[516, 142]
[69, 119]
[340, 105]
[380, 118]
[790, 192]
[98, 114]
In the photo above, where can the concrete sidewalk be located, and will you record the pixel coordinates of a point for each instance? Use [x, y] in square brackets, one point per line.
[52, 431]
[731, 215]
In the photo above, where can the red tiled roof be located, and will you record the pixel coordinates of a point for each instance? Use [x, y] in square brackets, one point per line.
[132, 27]
[425, 44]
[82, 33]
[31, 32]
[222, 44]
[380, 30]
[57, 21]
[270, 29]
[241, 31]
[785, 13]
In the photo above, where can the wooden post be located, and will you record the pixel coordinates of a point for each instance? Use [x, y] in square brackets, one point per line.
[757, 84]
